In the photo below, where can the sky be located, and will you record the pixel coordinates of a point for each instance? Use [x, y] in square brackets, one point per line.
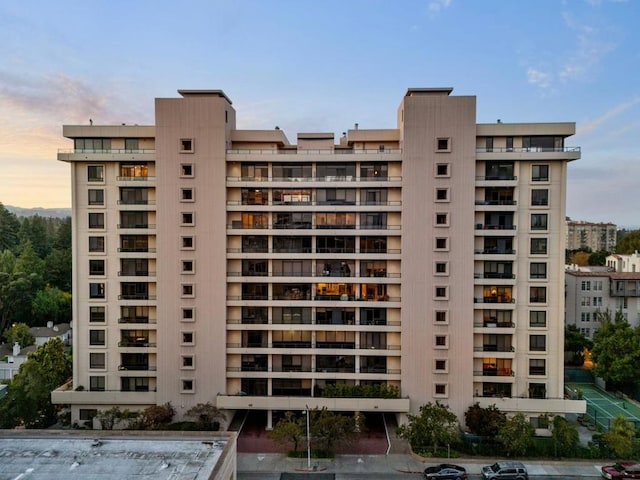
[310, 65]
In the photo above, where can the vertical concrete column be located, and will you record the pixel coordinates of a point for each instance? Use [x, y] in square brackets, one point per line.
[269, 420]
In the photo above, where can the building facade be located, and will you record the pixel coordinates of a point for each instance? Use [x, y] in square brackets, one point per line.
[596, 236]
[230, 266]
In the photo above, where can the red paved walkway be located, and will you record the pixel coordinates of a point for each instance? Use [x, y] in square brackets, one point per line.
[253, 438]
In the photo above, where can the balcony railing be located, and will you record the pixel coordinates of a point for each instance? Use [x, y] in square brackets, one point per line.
[311, 274]
[136, 249]
[314, 203]
[321, 298]
[137, 367]
[328, 151]
[494, 324]
[136, 320]
[317, 250]
[526, 149]
[237, 225]
[347, 178]
[495, 372]
[136, 225]
[136, 296]
[495, 251]
[136, 202]
[137, 344]
[493, 275]
[139, 178]
[496, 202]
[138, 273]
[488, 226]
[504, 177]
[494, 300]
[494, 348]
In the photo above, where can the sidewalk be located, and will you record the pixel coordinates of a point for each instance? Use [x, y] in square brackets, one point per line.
[397, 463]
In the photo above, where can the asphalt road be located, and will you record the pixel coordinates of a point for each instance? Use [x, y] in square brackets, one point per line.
[398, 476]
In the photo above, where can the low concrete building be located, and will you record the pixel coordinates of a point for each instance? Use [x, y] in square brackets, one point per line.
[80, 455]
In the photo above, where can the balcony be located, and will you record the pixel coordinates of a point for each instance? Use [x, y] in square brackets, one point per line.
[128, 343]
[136, 320]
[137, 367]
[529, 153]
[494, 372]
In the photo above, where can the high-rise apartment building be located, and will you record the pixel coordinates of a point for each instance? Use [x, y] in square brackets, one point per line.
[596, 236]
[230, 266]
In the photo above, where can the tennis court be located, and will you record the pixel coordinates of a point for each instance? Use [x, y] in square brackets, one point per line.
[603, 407]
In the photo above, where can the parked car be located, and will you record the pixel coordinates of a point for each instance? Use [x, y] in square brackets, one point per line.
[505, 471]
[445, 471]
[621, 470]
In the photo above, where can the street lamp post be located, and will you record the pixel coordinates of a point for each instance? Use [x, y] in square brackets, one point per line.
[308, 440]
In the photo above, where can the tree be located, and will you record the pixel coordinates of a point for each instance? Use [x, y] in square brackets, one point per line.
[516, 435]
[616, 352]
[28, 399]
[19, 332]
[434, 427]
[58, 269]
[289, 430]
[9, 228]
[206, 415]
[629, 243]
[575, 343]
[51, 304]
[110, 418]
[565, 436]
[619, 438]
[485, 422]
[330, 429]
[580, 258]
[16, 295]
[155, 417]
[599, 258]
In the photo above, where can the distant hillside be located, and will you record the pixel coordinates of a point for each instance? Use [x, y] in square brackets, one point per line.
[43, 212]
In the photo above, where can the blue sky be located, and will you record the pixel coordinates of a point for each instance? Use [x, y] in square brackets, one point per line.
[322, 66]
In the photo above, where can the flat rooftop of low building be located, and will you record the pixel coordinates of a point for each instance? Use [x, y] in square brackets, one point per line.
[99, 455]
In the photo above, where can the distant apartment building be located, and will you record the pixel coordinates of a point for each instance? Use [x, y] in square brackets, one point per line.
[596, 236]
[591, 291]
[213, 264]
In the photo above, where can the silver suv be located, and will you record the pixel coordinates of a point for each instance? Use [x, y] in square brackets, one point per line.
[506, 471]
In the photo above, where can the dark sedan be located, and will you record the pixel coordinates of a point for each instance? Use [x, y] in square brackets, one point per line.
[445, 471]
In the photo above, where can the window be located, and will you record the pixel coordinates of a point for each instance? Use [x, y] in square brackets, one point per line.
[537, 343]
[441, 316]
[188, 315]
[442, 194]
[537, 294]
[186, 170]
[538, 221]
[538, 270]
[187, 243]
[97, 337]
[585, 317]
[187, 266]
[188, 362]
[187, 338]
[96, 196]
[97, 384]
[131, 144]
[441, 365]
[440, 389]
[87, 414]
[187, 386]
[96, 244]
[441, 243]
[441, 341]
[442, 170]
[186, 145]
[539, 197]
[97, 360]
[509, 144]
[488, 144]
[441, 267]
[187, 290]
[96, 220]
[95, 173]
[537, 318]
[186, 194]
[441, 292]
[443, 145]
[538, 246]
[187, 218]
[96, 267]
[96, 290]
[540, 173]
[537, 366]
[442, 219]
[585, 285]
[97, 314]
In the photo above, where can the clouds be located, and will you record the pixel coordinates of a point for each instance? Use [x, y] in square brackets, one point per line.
[590, 126]
[436, 6]
[588, 46]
